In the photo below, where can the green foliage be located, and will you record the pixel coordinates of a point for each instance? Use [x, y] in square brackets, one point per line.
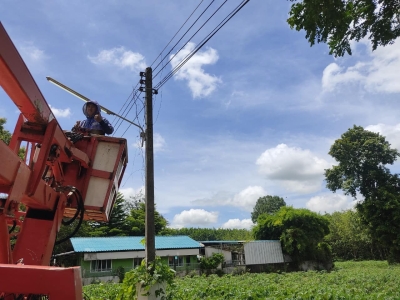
[362, 157]
[136, 218]
[338, 22]
[351, 239]
[147, 275]
[5, 135]
[120, 273]
[211, 234]
[300, 231]
[212, 262]
[267, 205]
[348, 281]
[102, 291]
[117, 225]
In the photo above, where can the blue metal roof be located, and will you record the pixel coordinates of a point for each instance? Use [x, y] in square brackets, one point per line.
[131, 243]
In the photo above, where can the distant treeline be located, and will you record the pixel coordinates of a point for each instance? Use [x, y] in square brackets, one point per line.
[212, 234]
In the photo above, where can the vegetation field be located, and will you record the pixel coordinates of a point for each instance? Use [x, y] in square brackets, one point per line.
[349, 280]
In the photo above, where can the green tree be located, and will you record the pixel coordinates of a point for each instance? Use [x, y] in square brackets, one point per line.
[337, 22]
[267, 205]
[300, 231]
[350, 238]
[5, 135]
[137, 216]
[362, 157]
[117, 225]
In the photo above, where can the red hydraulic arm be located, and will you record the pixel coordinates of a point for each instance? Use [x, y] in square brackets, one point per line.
[58, 178]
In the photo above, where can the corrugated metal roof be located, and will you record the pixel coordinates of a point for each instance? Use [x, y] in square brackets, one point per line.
[263, 252]
[130, 243]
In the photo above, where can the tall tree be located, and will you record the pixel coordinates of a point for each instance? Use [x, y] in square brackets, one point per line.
[301, 232]
[338, 22]
[362, 157]
[137, 216]
[267, 205]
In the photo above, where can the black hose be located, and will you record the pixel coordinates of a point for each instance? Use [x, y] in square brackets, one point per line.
[70, 221]
[13, 227]
[82, 213]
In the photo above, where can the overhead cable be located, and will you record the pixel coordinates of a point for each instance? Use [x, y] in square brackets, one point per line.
[175, 35]
[155, 68]
[173, 56]
[205, 40]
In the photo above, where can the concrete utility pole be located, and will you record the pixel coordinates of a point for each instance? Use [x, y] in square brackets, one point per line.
[149, 188]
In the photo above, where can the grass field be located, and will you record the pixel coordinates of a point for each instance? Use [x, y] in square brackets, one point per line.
[348, 280]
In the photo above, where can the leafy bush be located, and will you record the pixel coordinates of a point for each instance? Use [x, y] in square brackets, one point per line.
[120, 272]
[147, 276]
[212, 262]
[300, 231]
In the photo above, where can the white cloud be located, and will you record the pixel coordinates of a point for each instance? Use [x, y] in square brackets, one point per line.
[60, 113]
[333, 75]
[32, 53]
[379, 74]
[121, 58]
[131, 192]
[200, 83]
[295, 169]
[238, 224]
[330, 203]
[194, 218]
[245, 199]
[391, 132]
[158, 142]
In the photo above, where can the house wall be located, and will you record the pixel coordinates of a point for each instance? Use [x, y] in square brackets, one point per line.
[88, 276]
[210, 250]
[138, 254]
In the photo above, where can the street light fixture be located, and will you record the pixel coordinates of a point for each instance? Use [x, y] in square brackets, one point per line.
[83, 98]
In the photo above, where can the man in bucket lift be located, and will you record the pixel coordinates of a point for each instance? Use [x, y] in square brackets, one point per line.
[94, 123]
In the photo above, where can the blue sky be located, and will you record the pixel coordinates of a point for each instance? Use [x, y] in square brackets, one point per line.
[253, 113]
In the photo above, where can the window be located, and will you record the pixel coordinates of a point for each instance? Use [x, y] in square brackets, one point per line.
[175, 261]
[137, 261]
[100, 265]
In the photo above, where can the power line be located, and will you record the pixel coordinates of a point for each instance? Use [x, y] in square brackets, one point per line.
[176, 34]
[173, 56]
[132, 102]
[119, 112]
[135, 96]
[205, 40]
[132, 99]
[155, 68]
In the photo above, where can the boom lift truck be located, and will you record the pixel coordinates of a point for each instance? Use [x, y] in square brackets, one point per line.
[62, 178]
